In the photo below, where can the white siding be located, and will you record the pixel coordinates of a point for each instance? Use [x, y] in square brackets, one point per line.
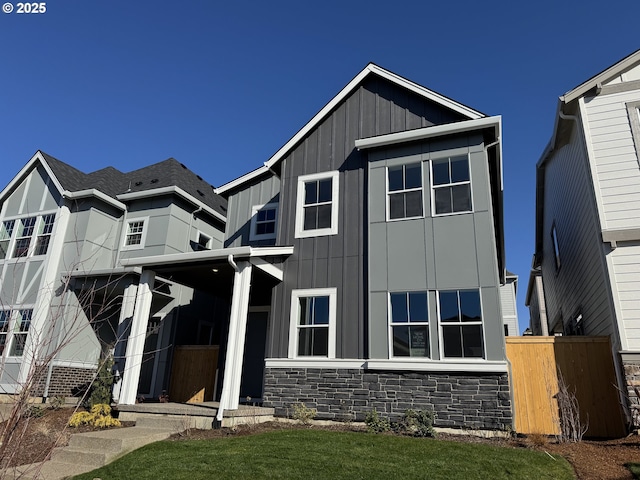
[509, 310]
[626, 268]
[617, 174]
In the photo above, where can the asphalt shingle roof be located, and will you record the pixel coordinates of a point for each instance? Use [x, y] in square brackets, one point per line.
[113, 182]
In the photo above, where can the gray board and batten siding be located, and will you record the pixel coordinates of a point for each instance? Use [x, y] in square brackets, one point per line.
[580, 285]
[457, 252]
[375, 107]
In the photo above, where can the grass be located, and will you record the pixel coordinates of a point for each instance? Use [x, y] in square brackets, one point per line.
[315, 454]
[634, 468]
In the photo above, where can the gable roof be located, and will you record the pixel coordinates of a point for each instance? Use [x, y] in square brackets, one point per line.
[114, 186]
[370, 69]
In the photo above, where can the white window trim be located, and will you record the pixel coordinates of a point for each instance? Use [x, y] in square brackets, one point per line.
[254, 221]
[13, 330]
[441, 324]
[143, 239]
[408, 324]
[332, 293]
[34, 236]
[333, 230]
[435, 187]
[404, 191]
[208, 237]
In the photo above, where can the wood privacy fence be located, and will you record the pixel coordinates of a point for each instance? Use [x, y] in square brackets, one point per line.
[585, 363]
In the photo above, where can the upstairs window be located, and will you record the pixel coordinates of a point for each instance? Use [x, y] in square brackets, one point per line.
[5, 316]
[45, 229]
[20, 332]
[451, 185]
[264, 219]
[313, 323]
[23, 239]
[135, 234]
[317, 205]
[404, 191]
[6, 232]
[409, 322]
[461, 323]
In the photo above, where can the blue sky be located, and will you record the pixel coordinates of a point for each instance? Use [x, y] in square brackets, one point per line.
[222, 85]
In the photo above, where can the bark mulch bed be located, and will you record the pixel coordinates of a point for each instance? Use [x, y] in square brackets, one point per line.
[592, 460]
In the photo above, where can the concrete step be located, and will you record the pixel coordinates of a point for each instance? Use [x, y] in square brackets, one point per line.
[47, 471]
[175, 423]
[118, 440]
[78, 456]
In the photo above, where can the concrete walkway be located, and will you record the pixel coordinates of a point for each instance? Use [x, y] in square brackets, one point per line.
[154, 422]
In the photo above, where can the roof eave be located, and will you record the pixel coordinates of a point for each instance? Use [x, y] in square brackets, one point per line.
[37, 157]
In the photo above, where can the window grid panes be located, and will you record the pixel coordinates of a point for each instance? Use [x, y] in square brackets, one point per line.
[409, 321]
[44, 234]
[461, 323]
[451, 185]
[6, 231]
[21, 331]
[5, 316]
[134, 233]
[317, 204]
[313, 326]
[266, 221]
[23, 240]
[405, 191]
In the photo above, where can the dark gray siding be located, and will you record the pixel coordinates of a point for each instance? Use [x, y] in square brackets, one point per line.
[375, 108]
[456, 251]
[581, 282]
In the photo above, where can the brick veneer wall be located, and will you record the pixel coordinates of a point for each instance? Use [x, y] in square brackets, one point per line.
[66, 381]
[466, 400]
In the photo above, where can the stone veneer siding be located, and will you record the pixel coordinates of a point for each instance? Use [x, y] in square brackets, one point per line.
[632, 378]
[66, 381]
[469, 400]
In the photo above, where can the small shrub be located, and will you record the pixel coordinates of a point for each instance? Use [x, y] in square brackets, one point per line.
[418, 423]
[538, 439]
[80, 418]
[56, 403]
[375, 423]
[302, 413]
[100, 390]
[99, 417]
[34, 411]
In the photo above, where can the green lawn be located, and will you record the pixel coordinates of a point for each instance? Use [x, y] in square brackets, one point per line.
[310, 454]
[634, 468]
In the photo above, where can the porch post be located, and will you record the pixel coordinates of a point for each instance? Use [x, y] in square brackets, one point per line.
[122, 333]
[230, 396]
[135, 344]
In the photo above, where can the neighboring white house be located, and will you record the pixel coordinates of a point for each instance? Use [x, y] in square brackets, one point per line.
[508, 293]
[588, 213]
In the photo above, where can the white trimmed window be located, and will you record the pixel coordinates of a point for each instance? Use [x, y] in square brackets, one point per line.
[317, 205]
[451, 185]
[264, 219]
[45, 229]
[5, 316]
[404, 191]
[461, 323]
[135, 234]
[313, 323]
[409, 324]
[20, 332]
[26, 227]
[6, 232]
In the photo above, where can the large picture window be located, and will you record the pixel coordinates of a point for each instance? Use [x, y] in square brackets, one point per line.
[404, 191]
[451, 185]
[409, 323]
[317, 205]
[461, 323]
[312, 332]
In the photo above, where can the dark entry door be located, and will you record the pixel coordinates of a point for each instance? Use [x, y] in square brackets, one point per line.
[254, 349]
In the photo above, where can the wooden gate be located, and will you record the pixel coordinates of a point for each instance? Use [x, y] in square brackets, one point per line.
[586, 365]
[193, 373]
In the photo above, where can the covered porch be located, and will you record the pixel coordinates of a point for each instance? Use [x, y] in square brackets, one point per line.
[244, 275]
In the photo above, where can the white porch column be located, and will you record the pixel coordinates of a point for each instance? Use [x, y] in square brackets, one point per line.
[122, 333]
[230, 396]
[135, 344]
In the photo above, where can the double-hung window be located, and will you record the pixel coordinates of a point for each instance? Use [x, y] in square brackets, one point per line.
[264, 219]
[135, 234]
[313, 323]
[23, 239]
[317, 205]
[451, 185]
[20, 332]
[45, 229]
[5, 316]
[461, 323]
[404, 191]
[6, 231]
[409, 323]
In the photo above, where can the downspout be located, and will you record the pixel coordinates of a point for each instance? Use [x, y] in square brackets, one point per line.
[220, 413]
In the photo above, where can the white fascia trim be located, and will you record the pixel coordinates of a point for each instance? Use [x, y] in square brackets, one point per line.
[314, 363]
[204, 255]
[104, 272]
[172, 190]
[74, 364]
[37, 157]
[438, 366]
[92, 192]
[612, 71]
[371, 68]
[268, 268]
[430, 132]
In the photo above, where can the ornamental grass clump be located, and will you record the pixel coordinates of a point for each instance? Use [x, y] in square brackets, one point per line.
[99, 417]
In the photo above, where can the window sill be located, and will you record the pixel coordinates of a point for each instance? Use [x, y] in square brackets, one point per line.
[451, 214]
[317, 233]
